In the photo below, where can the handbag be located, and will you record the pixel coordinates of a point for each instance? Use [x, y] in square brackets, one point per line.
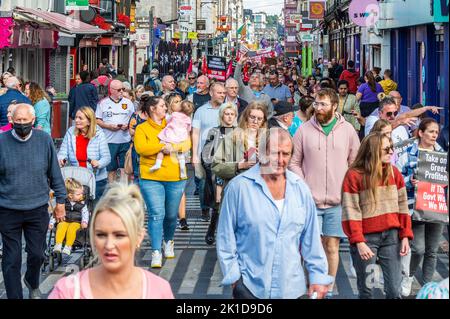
[128, 166]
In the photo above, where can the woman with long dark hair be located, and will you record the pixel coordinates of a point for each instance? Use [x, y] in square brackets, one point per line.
[41, 105]
[375, 215]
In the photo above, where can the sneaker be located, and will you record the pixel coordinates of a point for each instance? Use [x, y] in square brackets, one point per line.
[406, 285]
[168, 249]
[32, 293]
[67, 250]
[57, 248]
[205, 215]
[156, 259]
[183, 224]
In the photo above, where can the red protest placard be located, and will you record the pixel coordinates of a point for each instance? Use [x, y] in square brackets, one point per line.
[431, 197]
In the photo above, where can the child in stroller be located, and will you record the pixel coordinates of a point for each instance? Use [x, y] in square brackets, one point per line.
[77, 216]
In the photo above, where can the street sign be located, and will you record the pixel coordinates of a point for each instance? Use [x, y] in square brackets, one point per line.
[295, 18]
[306, 37]
[192, 35]
[77, 5]
[306, 26]
[317, 10]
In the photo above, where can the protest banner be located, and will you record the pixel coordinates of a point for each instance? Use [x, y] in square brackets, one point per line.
[431, 203]
[400, 147]
[217, 67]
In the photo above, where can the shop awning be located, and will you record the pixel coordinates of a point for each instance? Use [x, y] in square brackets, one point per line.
[62, 22]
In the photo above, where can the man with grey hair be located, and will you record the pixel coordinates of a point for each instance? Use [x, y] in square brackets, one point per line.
[261, 251]
[13, 95]
[28, 170]
[232, 87]
[388, 110]
[254, 90]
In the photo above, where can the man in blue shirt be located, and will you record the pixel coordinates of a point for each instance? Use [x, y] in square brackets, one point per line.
[267, 226]
[277, 90]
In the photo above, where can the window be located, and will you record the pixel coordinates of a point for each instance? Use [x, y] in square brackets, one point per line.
[108, 9]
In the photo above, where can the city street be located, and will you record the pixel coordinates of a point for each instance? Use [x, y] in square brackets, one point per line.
[195, 273]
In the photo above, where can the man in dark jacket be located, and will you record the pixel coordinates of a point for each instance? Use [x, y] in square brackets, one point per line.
[12, 96]
[283, 115]
[29, 169]
[84, 94]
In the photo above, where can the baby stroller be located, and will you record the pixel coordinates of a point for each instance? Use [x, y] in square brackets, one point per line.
[87, 179]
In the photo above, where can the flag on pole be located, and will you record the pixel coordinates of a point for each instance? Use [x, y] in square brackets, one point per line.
[204, 66]
[229, 69]
[242, 31]
[189, 70]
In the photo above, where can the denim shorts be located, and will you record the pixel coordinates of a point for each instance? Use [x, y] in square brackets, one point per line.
[330, 221]
[118, 152]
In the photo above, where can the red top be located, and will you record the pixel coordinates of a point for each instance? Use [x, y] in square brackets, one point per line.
[391, 209]
[81, 151]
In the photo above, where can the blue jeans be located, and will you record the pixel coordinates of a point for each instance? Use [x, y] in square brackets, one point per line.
[162, 200]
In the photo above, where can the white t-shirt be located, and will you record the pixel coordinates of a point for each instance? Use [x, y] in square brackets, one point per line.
[399, 134]
[111, 112]
[280, 205]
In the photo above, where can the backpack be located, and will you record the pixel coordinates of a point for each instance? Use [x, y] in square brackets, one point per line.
[102, 91]
[209, 147]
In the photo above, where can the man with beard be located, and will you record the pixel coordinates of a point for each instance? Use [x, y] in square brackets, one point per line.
[324, 148]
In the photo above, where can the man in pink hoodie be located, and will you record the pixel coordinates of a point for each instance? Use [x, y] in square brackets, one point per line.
[324, 147]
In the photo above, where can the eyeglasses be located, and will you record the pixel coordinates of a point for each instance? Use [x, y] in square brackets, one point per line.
[253, 118]
[119, 90]
[390, 114]
[316, 105]
[389, 148]
[290, 86]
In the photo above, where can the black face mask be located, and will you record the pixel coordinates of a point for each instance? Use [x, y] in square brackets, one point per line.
[22, 129]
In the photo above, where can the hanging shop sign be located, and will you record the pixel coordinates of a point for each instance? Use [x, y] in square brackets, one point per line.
[317, 10]
[440, 10]
[77, 5]
[364, 13]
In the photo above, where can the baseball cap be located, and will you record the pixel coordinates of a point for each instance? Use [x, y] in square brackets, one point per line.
[283, 107]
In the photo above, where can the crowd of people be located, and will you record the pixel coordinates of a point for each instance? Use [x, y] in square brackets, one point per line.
[286, 167]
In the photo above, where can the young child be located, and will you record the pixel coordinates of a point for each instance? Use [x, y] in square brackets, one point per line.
[77, 215]
[177, 131]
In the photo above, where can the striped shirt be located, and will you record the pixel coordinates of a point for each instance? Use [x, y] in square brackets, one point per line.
[391, 207]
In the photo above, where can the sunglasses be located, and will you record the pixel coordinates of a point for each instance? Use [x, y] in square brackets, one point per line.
[119, 90]
[390, 114]
[191, 78]
[389, 148]
[291, 86]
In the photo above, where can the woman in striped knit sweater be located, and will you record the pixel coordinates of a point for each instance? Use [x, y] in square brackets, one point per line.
[375, 216]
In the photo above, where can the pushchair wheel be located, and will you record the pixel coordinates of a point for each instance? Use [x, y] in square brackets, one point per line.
[51, 263]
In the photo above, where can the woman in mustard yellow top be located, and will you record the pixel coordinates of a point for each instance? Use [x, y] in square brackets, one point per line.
[162, 189]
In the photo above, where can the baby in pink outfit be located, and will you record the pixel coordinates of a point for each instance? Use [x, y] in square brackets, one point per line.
[176, 131]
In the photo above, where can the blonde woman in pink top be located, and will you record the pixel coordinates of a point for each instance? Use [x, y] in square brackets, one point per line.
[116, 232]
[177, 130]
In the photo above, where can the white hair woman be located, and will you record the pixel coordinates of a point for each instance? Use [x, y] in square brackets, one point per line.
[116, 233]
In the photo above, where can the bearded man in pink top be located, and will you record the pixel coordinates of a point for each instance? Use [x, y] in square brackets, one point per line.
[324, 148]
